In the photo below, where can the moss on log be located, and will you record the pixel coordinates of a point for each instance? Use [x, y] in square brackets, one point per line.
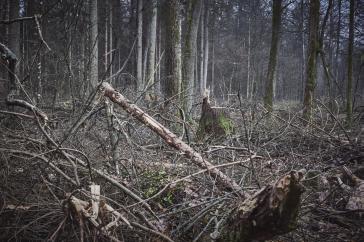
[214, 122]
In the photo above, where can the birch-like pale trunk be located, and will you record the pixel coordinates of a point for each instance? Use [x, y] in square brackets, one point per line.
[140, 47]
[152, 48]
[94, 72]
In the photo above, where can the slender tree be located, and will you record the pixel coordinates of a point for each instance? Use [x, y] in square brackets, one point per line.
[206, 45]
[313, 45]
[14, 44]
[349, 88]
[276, 23]
[140, 47]
[94, 72]
[152, 46]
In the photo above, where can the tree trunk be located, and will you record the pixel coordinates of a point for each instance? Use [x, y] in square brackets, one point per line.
[206, 45]
[202, 49]
[349, 88]
[276, 25]
[303, 52]
[140, 47]
[173, 49]
[189, 52]
[248, 85]
[94, 72]
[312, 57]
[14, 45]
[152, 48]
[337, 45]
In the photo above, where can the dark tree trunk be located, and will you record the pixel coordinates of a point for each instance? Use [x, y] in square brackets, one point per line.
[276, 23]
[314, 20]
[173, 49]
[349, 88]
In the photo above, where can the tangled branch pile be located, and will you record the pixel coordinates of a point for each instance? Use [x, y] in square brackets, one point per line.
[95, 172]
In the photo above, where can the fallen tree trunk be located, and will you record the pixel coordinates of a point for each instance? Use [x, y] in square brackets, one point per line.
[222, 180]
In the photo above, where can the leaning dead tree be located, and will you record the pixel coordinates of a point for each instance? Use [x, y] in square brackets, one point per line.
[271, 211]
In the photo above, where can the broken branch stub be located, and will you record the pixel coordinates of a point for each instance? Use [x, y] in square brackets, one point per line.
[222, 180]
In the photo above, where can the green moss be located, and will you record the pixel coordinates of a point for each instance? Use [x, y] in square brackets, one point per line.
[153, 181]
[226, 124]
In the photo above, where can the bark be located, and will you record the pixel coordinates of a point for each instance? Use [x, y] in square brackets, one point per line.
[14, 45]
[173, 49]
[8, 56]
[152, 48]
[314, 20]
[189, 52]
[110, 27]
[337, 45]
[214, 122]
[303, 59]
[94, 72]
[322, 52]
[206, 46]
[271, 211]
[140, 47]
[223, 181]
[349, 88]
[276, 25]
[248, 84]
[11, 101]
[202, 49]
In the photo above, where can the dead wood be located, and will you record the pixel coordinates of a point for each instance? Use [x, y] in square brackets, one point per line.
[214, 122]
[11, 101]
[104, 218]
[271, 211]
[356, 200]
[223, 181]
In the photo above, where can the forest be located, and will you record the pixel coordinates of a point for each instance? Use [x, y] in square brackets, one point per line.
[182, 120]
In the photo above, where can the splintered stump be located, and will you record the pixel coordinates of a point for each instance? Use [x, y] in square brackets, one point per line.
[214, 122]
[271, 211]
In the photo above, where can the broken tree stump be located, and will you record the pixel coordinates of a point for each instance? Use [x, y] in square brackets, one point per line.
[214, 122]
[271, 211]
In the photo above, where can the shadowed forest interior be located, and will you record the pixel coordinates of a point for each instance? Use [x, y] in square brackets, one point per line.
[181, 120]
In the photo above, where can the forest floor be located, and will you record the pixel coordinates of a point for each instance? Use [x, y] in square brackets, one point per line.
[44, 165]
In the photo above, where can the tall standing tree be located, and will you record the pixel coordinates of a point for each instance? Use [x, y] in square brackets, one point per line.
[14, 44]
[173, 60]
[276, 25]
[189, 51]
[140, 47]
[314, 20]
[206, 45]
[94, 72]
[349, 88]
[152, 46]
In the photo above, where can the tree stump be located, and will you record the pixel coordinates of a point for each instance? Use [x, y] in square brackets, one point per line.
[214, 122]
[270, 212]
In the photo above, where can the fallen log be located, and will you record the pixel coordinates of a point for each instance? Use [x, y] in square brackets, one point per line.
[222, 180]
